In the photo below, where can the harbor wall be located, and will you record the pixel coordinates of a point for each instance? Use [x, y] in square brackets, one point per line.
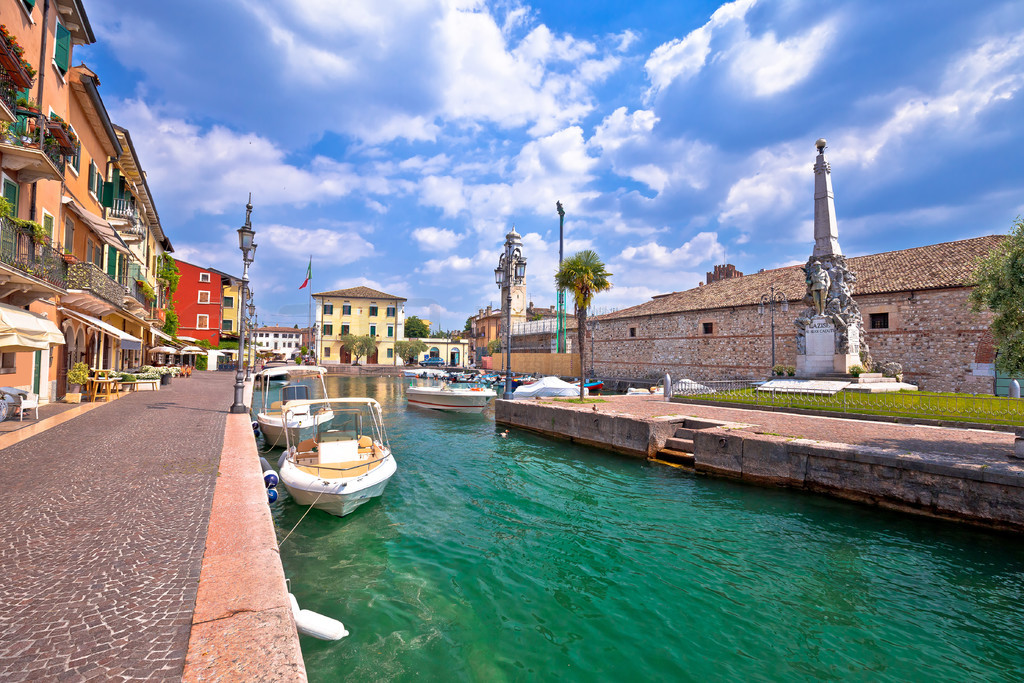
[242, 626]
[619, 433]
[942, 486]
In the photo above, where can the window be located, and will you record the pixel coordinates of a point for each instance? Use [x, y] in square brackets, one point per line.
[327, 352]
[29, 4]
[328, 309]
[329, 330]
[202, 322]
[204, 296]
[88, 251]
[48, 224]
[7, 363]
[709, 328]
[879, 321]
[11, 195]
[229, 302]
[225, 325]
[277, 336]
[76, 160]
[391, 353]
[373, 330]
[346, 309]
[391, 330]
[204, 277]
[632, 332]
[391, 311]
[373, 311]
[69, 235]
[344, 330]
[62, 48]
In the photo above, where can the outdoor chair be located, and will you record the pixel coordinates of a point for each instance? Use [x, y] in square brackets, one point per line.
[28, 402]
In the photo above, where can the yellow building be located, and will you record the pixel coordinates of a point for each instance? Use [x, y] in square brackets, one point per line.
[359, 311]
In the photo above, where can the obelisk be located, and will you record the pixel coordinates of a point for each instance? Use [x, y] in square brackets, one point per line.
[830, 331]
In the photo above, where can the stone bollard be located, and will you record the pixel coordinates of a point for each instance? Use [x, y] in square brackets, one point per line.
[1014, 389]
[668, 386]
[1018, 444]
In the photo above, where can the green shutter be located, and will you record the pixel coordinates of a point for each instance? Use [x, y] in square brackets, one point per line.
[30, 4]
[11, 195]
[106, 192]
[48, 225]
[112, 262]
[62, 49]
[92, 177]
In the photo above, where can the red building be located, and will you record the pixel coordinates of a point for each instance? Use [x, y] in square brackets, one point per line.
[198, 303]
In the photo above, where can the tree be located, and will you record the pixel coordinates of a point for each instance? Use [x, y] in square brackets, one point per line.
[469, 324]
[414, 327]
[360, 346]
[409, 351]
[494, 346]
[1000, 289]
[584, 275]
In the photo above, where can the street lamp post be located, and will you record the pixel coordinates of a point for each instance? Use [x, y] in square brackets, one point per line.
[772, 298]
[511, 271]
[560, 341]
[248, 247]
[245, 351]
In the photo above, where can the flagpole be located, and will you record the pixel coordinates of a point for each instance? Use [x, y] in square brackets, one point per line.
[309, 310]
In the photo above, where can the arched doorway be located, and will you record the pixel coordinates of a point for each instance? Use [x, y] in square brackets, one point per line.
[435, 352]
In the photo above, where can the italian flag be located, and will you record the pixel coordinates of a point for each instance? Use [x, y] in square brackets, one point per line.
[309, 273]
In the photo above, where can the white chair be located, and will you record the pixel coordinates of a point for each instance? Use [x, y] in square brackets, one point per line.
[28, 402]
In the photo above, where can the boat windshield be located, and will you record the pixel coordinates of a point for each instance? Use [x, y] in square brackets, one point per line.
[341, 421]
[297, 384]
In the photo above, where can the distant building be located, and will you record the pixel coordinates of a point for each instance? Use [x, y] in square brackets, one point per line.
[359, 311]
[197, 302]
[913, 301]
[284, 342]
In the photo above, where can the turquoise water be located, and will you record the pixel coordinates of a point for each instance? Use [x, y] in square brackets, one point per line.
[521, 558]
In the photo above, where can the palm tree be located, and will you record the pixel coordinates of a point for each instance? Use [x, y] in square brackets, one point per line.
[584, 275]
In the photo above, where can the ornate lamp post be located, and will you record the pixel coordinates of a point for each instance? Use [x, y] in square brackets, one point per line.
[245, 348]
[248, 247]
[772, 298]
[511, 271]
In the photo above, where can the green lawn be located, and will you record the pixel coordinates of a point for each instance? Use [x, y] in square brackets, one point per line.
[918, 404]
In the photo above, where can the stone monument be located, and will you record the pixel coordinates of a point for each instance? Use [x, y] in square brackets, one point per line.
[830, 331]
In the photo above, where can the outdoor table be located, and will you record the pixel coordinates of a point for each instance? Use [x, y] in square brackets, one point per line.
[103, 385]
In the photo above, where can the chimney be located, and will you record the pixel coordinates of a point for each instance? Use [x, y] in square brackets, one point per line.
[723, 272]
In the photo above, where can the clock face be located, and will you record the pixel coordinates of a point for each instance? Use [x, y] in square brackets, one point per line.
[517, 302]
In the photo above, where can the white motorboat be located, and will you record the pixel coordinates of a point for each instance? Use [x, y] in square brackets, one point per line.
[549, 386]
[446, 397]
[345, 463]
[286, 383]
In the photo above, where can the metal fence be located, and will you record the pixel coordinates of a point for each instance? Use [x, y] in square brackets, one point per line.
[948, 407]
[18, 248]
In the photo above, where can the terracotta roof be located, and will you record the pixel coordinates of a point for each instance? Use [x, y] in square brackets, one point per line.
[937, 266]
[360, 293]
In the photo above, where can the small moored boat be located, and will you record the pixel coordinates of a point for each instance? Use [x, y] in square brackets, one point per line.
[446, 397]
[279, 385]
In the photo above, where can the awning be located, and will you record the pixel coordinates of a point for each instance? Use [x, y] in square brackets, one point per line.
[161, 335]
[22, 330]
[128, 342]
[99, 226]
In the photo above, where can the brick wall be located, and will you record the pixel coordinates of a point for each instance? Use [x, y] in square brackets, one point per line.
[933, 334]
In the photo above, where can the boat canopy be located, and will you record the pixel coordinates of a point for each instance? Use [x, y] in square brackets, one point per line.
[287, 371]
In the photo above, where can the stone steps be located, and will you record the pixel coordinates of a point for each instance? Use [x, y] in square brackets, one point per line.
[675, 457]
[684, 445]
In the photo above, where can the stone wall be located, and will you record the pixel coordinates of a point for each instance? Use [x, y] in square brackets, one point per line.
[933, 334]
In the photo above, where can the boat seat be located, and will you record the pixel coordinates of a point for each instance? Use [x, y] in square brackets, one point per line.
[339, 470]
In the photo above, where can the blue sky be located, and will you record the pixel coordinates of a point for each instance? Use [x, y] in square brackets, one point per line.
[397, 142]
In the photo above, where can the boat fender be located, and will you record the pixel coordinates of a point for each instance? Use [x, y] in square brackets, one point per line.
[280, 461]
[270, 478]
[264, 464]
[309, 623]
[271, 495]
[255, 427]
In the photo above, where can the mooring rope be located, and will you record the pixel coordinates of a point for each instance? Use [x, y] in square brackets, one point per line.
[300, 519]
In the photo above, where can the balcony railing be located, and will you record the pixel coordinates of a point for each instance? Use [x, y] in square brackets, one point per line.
[125, 210]
[19, 249]
[25, 133]
[89, 277]
[8, 89]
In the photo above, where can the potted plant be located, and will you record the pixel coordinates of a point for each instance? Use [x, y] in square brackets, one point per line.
[78, 375]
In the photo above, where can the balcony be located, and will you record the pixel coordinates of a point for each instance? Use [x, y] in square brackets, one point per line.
[92, 290]
[124, 211]
[14, 75]
[28, 270]
[24, 157]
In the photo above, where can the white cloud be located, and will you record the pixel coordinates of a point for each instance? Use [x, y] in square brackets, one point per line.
[339, 248]
[684, 58]
[766, 66]
[436, 239]
[704, 247]
[447, 265]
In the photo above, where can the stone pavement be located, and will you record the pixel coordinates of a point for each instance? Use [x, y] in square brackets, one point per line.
[973, 443]
[105, 526]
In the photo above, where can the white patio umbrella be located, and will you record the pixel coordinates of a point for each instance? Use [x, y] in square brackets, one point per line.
[192, 349]
[163, 349]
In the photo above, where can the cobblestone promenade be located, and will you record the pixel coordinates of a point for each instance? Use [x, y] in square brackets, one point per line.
[104, 530]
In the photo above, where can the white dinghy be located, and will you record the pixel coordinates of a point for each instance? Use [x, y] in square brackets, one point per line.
[346, 462]
[453, 399]
[289, 383]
